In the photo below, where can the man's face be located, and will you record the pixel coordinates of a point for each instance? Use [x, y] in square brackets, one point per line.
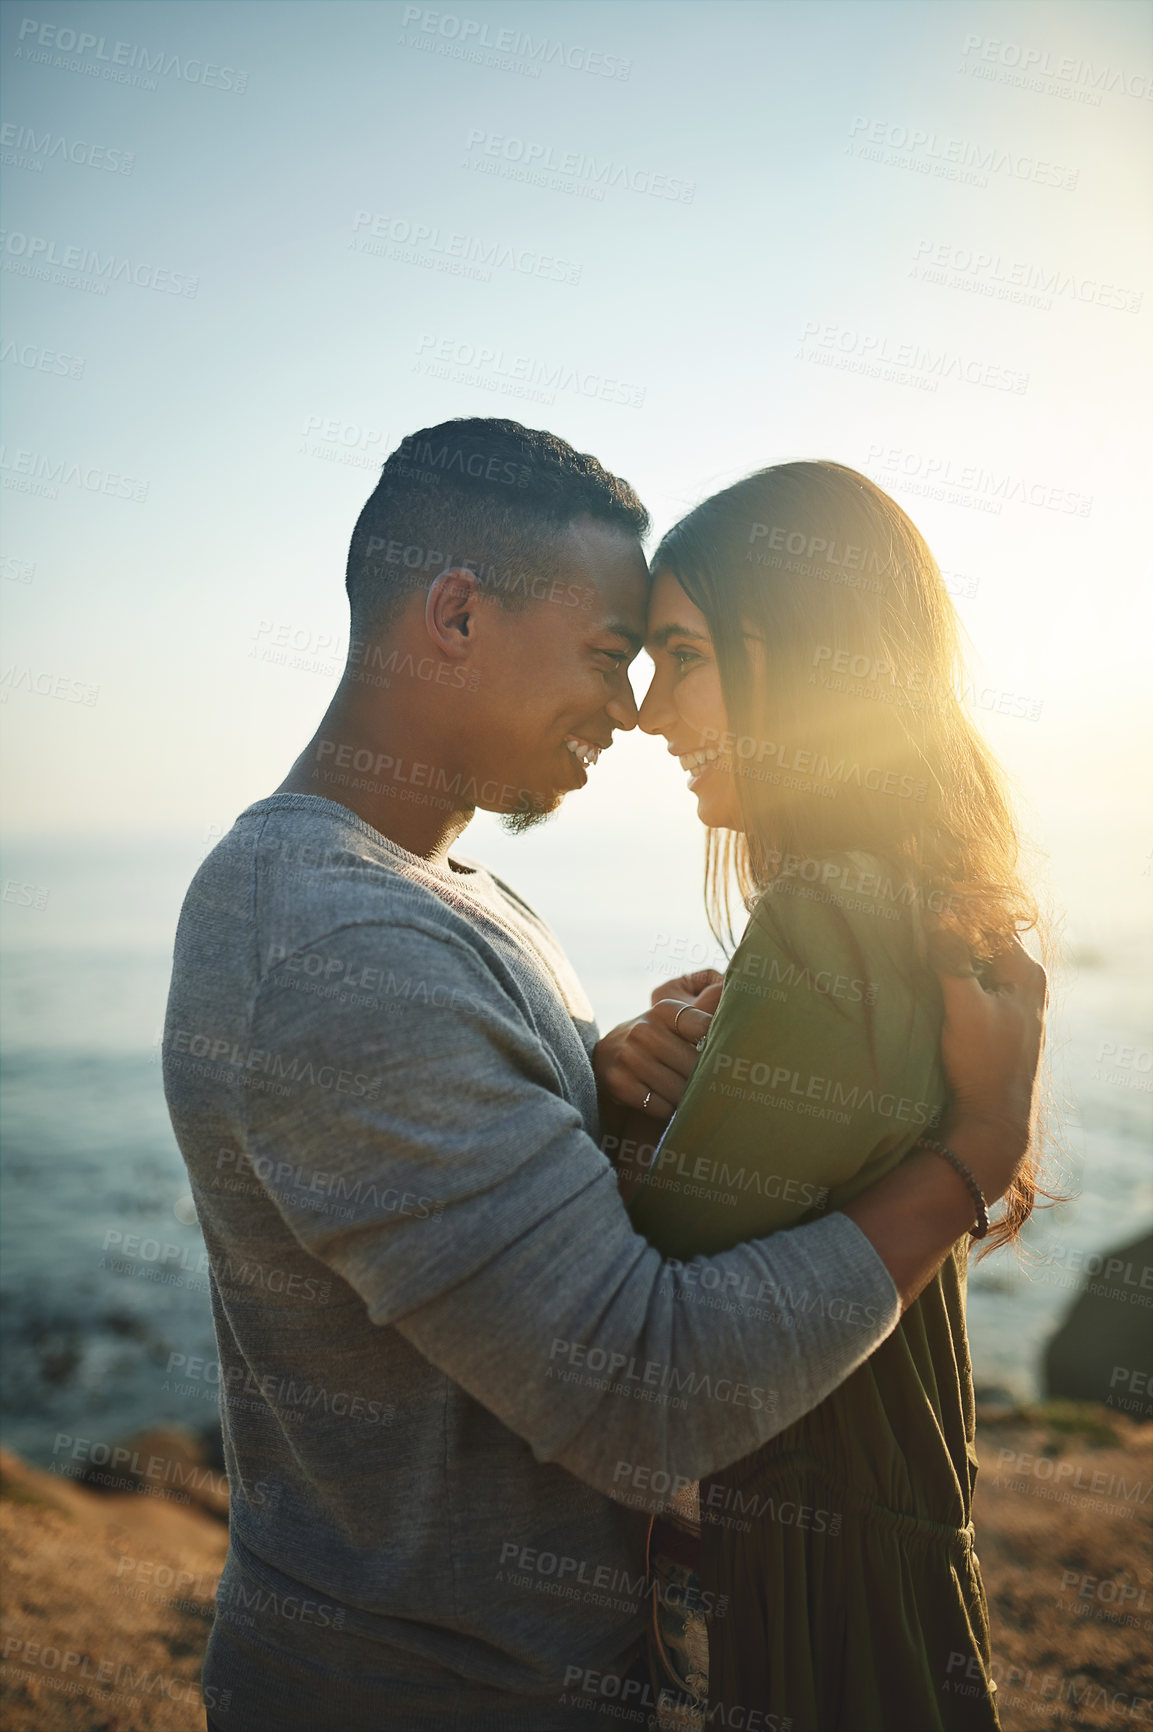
[552, 680]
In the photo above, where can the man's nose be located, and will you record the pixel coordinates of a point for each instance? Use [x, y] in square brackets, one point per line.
[623, 709]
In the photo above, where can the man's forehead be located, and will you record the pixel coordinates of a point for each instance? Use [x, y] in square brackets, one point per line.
[611, 565]
[604, 546]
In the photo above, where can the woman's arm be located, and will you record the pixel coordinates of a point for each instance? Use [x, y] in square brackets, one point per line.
[650, 1059]
[629, 1138]
[821, 1068]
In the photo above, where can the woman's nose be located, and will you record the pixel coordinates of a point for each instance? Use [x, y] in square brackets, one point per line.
[653, 709]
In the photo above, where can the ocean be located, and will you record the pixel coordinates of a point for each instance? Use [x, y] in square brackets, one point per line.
[103, 1277]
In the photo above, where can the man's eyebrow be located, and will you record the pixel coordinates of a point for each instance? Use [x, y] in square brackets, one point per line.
[617, 628]
[660, 638]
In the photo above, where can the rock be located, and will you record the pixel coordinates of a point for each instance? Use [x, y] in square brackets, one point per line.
[993, 1398]
[166, 1462]
[1103, 1351]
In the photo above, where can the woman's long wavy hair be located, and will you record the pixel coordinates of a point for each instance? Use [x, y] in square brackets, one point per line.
[857, 737]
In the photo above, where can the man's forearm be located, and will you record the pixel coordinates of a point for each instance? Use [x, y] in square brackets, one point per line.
[912, 1218]
[914, 1215]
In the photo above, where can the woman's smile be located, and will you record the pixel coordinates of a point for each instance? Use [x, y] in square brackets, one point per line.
[685, 702]
[696, 765]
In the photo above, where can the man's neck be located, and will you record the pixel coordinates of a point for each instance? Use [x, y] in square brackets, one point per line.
[381, 774]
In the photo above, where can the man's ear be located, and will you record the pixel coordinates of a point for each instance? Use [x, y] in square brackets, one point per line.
[450, 612]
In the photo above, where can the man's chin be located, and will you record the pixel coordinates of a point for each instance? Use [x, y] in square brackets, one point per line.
[530, 812]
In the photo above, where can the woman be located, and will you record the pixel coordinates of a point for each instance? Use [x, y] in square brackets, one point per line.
[807, 674]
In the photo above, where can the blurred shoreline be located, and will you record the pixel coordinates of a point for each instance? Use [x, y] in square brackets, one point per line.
[105, 1282]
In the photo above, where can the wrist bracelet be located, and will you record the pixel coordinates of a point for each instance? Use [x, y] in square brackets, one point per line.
[971, 1185]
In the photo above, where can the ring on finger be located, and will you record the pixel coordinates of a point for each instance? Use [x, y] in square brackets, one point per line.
[646, 1100]
[679, 1014]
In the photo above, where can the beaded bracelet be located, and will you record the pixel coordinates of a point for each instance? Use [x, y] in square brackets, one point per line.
[971, 1185]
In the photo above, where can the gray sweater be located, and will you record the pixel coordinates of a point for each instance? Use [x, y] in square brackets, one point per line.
[454, 1381]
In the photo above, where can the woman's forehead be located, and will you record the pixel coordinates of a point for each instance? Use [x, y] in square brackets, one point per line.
[669, 605]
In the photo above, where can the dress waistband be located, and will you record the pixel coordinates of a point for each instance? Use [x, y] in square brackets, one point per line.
[844, 1498]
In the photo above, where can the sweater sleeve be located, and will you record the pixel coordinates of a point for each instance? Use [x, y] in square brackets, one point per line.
[481, 1221]
[821, 1069]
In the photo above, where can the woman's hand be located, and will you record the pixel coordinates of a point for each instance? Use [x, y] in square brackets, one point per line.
[645, 1064]
[686, 987]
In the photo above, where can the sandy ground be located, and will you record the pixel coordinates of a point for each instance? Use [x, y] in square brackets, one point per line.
[108, 1597]
[107, 1600]
[1063, 1520]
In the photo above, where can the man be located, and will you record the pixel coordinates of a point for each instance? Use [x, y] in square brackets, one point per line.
[454, 1381]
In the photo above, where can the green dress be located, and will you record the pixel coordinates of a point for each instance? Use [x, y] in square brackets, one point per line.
[839, 1557]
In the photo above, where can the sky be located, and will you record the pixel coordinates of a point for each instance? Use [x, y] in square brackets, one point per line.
[248, 247]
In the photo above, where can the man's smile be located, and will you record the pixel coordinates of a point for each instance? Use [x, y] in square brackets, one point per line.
[586, 752]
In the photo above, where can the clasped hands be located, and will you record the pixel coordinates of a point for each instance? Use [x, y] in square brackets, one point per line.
[644, 1064]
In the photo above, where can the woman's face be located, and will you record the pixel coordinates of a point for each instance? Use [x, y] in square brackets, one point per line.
[685, 703]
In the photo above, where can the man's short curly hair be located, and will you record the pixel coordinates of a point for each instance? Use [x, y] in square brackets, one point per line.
[490, 495]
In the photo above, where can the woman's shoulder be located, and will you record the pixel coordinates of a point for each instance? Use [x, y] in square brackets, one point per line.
[839, 956]
[851, 900]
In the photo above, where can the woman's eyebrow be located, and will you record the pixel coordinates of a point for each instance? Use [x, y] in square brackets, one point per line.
[659, 638]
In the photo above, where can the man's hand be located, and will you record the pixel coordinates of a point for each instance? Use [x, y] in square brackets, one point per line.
[991, 1046]
[645, 1063]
